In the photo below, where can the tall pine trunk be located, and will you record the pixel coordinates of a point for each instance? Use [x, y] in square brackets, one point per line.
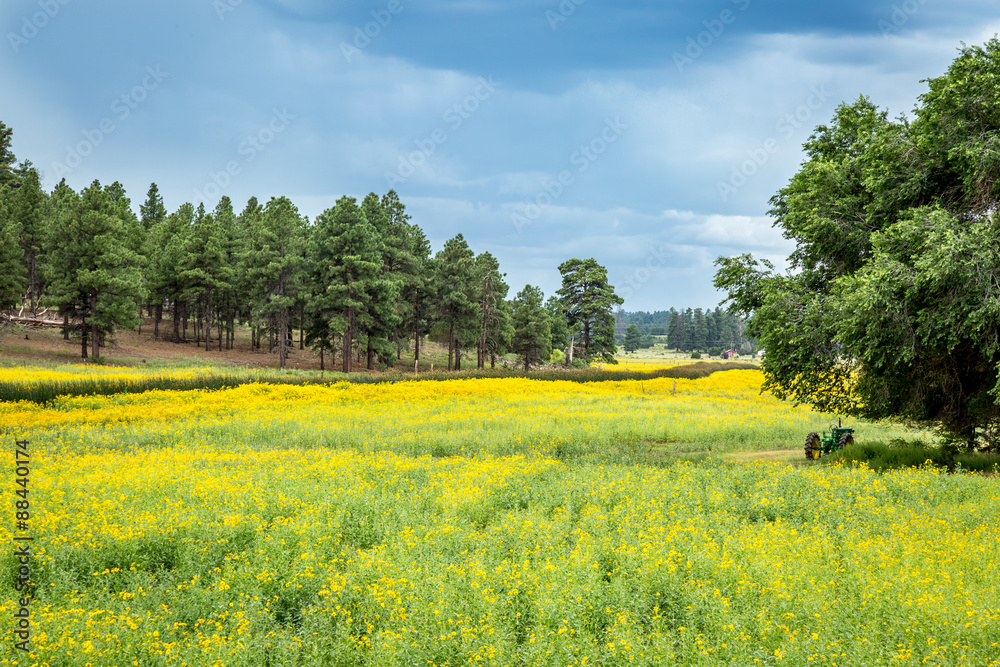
[177, 320]
[83, 336]
[347, 340]
[208, 320]
[95, 344]
[451, 346]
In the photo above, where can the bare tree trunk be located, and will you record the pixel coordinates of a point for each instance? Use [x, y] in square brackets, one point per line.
[208, 320]
[451, 346]
[282, 337]
[94, 343]
[177, 319]
[347, 340]
[83, 336]
[66, 328]
[158, 314]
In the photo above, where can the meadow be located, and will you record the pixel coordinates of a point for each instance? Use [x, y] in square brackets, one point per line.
[495, 521]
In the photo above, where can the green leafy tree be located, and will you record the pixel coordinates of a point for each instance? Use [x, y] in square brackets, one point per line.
[588, 300]
[887, 311]
[633, 339]
[532, 333]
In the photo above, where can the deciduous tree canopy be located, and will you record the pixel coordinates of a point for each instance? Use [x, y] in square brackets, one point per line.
[891, 307]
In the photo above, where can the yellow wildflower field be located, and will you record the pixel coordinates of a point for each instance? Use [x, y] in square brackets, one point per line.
[502, 416]
[328, 525]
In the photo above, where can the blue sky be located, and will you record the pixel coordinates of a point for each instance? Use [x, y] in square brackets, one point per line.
[648, 135]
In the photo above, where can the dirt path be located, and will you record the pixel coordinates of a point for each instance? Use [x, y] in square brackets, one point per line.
[777, 456]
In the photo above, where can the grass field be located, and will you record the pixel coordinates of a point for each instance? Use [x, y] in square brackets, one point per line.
[499, 521]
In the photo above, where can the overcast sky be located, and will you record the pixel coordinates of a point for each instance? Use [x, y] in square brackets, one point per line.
[648, 135]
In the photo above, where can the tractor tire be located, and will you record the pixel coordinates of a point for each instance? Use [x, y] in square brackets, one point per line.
[812, 446]
[846, 440]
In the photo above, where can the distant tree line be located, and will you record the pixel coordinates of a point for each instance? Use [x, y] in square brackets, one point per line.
[358, 283]
[686, 330]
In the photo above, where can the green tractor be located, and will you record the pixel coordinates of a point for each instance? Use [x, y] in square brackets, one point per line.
[840, 436]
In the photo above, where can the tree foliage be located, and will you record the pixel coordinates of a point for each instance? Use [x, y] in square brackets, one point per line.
[891, 306]
[588, 299]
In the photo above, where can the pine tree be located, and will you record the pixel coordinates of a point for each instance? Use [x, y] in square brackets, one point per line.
[275, 257]
[94, 272]
[380, 319]
[532, 332]
[495, 326]
[204, 270]
[557, 323]
[12, 274]
[227, 292]
[28, 207]
[416, 298]
[169, 237]
[457, 298]
[633, 339]
[348, 260]
[588, 299]
[7, 159]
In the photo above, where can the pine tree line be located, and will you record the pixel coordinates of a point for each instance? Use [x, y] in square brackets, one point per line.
[359, 283]
[688, 330]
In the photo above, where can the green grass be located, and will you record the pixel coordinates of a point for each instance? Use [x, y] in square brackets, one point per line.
[900, 453]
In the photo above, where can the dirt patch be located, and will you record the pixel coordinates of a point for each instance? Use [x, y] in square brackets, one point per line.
[130, 348]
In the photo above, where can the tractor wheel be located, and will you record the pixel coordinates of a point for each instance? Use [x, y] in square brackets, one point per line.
[846, 440]
[812, 446]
